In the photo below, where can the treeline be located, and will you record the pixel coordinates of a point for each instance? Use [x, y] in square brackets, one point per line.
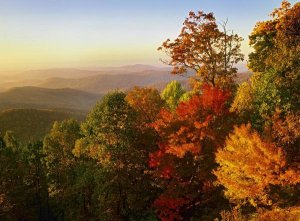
[217, 152]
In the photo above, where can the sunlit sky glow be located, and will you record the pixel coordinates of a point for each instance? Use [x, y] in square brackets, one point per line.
[38, 34]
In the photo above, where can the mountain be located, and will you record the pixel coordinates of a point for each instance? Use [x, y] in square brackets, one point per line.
[43, 98]
[31, 124]
[75, 73]
[141, 67]
[55, 72]
[104, 80]
[37, 77]
[6, 85]
[104, 83]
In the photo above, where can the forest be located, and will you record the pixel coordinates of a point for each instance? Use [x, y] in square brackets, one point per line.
[214, 151]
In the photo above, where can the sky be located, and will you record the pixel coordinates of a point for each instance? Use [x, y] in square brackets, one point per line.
[37, 34]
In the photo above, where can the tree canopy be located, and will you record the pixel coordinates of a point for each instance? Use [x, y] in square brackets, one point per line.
[211, 51]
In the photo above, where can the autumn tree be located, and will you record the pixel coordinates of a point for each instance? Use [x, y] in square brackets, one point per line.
[243, 100]
[182, 165]
[211, 51]
[290, 214]
[264, 165]
[146, 102]
[250, 167]
[285, 131]
[274, 40]
[275, 58]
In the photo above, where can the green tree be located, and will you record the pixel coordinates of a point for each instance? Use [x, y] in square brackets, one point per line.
[70, 179]
[172, 94]
[10, 140]
[276, 58]
[112, 139]
[23, 189]
[276, 53]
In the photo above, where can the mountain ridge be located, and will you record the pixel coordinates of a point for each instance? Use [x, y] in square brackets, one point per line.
[45, 98]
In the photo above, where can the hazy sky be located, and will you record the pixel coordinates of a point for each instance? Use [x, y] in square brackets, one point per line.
[89, 33]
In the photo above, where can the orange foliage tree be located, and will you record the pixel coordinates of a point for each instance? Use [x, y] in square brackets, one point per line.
[286, 133]
[187, 139]
[249, 167]
[146, 102]
[202, 46]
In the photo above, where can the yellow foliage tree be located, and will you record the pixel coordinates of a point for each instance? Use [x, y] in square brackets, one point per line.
[287, 214]
[249, 166]
[243, 99]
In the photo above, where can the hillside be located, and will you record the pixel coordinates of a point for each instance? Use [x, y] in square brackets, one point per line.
[32, 124]
[42, 98]
[104, 83]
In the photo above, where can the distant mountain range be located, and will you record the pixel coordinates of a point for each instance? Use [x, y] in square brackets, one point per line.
[80, 89]
[107, 82]
[101, 81]
[42, 74]
[44, 98]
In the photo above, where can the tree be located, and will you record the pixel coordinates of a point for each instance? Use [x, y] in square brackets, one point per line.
[146, 102]
[183, 130]
[36, 180]
[187, 96]
[249, 168]
[243, 100]
[265, 166]
[23, 187]
[10, 140]
[172, 94]
[258, 99]
[276, 49]
[109, 130]
[285, 131]
[71, 185]
[13, 190]
[111, 137]
[202, 46]
[276, 59]
[183, 162]
[291, 214]
[274, 40]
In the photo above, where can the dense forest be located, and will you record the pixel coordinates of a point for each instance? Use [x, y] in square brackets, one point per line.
[218, 151]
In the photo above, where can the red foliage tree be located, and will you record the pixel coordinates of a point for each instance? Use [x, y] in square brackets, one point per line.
[188, 137]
